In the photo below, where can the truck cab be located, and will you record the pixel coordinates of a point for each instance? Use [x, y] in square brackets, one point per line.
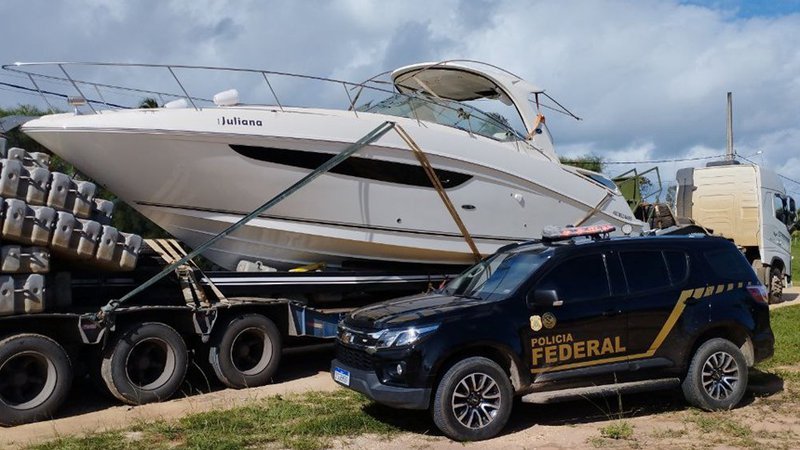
[749, 205]
[577, 308]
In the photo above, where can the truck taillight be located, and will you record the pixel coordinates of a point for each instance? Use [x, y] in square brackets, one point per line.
[759, 293]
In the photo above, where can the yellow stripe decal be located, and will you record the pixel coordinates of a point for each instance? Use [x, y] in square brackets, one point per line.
[662, 335]
[730, 286]
[720, 288]
[709, 291]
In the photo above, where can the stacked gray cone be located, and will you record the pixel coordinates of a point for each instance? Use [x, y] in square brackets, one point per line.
[44, 213]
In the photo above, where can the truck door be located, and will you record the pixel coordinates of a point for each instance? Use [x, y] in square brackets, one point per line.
[777, 220]
[655, 279]
[576, 319]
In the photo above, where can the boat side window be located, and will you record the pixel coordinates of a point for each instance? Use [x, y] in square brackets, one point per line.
[597, 178]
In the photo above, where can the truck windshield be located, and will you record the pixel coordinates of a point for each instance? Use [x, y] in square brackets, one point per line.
[498, 277]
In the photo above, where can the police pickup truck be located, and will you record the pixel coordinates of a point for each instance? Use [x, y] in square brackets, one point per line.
[575, 308]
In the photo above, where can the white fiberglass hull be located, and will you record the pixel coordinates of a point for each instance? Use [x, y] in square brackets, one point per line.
[194, 173]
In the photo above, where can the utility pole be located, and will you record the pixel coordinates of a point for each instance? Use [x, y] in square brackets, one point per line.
[729, 153]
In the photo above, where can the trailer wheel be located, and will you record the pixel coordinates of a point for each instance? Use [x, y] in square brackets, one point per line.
[35, 378]
[246, 351]
[775, 285]
[144, 364]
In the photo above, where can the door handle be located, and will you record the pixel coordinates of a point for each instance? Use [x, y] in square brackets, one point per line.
[611, 312]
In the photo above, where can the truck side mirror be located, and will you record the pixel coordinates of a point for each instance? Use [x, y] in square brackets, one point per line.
[544, 297]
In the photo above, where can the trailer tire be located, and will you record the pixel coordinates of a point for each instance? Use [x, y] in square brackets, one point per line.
[145, 363]
[246, 351]
[45, 381]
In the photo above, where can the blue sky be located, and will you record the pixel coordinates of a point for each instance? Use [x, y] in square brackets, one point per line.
[648, 77]
[751, 8]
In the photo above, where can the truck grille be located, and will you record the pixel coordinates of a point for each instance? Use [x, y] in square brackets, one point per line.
[358, 359]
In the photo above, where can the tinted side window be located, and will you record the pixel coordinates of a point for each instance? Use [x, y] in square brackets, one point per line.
[645, 270]
[729, 264]
[579, 278]
[778, 204]
[678, 264]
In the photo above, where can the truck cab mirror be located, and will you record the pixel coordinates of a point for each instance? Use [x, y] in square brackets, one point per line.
[544, 297]
[792, 210]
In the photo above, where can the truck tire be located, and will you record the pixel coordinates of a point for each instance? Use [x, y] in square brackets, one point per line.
[35, 378]
[717, 376]
[775, 285]
[473, 400]
[246, 351]
[146, 363]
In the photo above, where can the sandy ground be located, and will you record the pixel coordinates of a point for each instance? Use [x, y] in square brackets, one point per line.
[660, 419]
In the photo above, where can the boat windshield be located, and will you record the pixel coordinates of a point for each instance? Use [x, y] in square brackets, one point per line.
[498, 277]
[446, 112]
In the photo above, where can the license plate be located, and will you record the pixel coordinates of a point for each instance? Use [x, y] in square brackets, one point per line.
[341, 376]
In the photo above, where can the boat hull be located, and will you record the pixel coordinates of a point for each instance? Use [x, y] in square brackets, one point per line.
[200, 174]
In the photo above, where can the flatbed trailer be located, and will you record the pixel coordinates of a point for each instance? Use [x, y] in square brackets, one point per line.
[135, 332]
[234, 325]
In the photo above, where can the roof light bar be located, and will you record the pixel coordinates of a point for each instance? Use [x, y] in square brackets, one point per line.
[554, 233]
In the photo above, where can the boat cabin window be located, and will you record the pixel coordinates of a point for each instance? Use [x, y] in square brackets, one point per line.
[459, 115]
[597, 178]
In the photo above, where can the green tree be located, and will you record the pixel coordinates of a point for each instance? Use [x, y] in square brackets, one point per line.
[588, 162]
[148, 102]
[125, 218]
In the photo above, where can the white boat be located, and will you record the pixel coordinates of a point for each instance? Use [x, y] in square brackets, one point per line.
[195, 169]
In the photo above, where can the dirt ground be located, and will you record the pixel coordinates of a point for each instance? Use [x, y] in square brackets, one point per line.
[768, 418]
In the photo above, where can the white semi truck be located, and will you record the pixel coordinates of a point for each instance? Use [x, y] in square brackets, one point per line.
[749, 205]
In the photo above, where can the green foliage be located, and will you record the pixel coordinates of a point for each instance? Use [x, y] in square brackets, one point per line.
[125, 218]
[588, 162]
[148, 102]
[796, 257]
[619, 429]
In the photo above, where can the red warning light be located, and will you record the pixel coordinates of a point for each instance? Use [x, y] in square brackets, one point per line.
[554, 233]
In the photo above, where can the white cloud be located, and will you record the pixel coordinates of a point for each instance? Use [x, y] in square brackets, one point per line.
[648, 77]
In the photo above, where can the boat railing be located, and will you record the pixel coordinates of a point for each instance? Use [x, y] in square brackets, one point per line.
[65, 74]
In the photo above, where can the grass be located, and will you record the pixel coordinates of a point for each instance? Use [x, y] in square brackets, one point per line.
[302, 422]
[619, 429]
[721, 427]
[784, 323]
[795, 260]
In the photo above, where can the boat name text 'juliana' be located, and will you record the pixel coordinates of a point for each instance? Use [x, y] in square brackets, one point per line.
[239, 121]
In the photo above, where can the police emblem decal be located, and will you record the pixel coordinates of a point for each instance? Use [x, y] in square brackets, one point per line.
[536, 323]
[548, 320]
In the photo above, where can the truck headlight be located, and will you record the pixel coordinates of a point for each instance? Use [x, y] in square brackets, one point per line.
[403, 337]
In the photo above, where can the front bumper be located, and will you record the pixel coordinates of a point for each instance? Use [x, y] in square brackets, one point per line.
[367, 383]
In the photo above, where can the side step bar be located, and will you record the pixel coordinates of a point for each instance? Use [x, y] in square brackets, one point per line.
[601, 391]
